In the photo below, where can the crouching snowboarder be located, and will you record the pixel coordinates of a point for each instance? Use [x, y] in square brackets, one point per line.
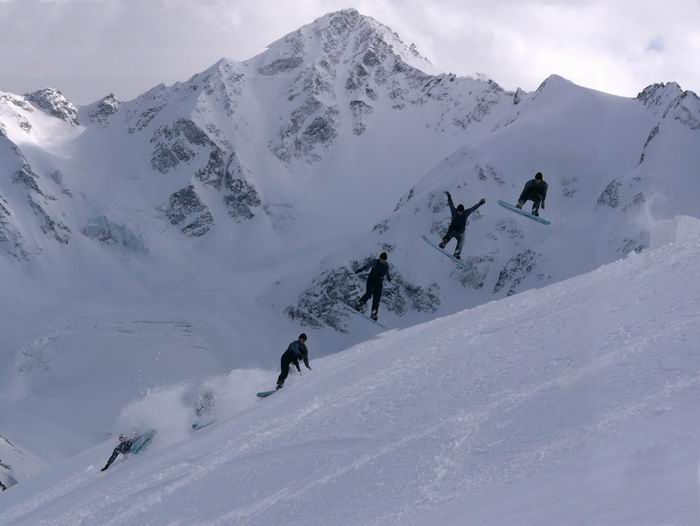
[124, 447]
[375, 283]
[458, 224]
[535, 190]
[296, 351]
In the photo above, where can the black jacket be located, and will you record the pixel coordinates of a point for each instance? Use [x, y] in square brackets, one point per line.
[459, 221]
[534, 190]
[300, 352]
[378, 272]
[123, 448]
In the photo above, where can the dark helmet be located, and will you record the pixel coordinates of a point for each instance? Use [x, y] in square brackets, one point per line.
[123, 438]
[383, 256]
[460, 208]
[538, 176]
[302, 336]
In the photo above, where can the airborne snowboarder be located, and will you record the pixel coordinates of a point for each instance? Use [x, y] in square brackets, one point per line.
[296, 351]
[375, 283]
[458, 224]
[535, 190]
[124, 447]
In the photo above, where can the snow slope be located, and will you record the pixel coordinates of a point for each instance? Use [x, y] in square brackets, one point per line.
[571, 404]
[201, 226]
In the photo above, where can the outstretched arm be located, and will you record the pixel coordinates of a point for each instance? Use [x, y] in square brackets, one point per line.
[365, 267]
[473, 208]
[450, 203]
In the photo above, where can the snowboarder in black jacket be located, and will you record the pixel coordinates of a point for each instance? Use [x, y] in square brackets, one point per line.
[458, 224]
[535, 190]
[124, 447]
[375, 283]
[296, 351]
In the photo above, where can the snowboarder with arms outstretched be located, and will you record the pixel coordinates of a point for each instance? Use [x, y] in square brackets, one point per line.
[535, 190]
[296, 351]
[124, 447]
[378, 270]
[458, 224]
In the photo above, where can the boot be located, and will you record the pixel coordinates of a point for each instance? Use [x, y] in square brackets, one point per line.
[375, 315]
[458, 255]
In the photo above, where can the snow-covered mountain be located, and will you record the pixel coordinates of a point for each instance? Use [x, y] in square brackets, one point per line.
[575, 403]
[201, 226]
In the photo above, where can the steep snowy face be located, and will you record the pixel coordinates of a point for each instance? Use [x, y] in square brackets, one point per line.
[574, 401]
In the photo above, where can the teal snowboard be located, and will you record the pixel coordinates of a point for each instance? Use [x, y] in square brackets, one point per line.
[265, 394]
[458, 262]
[201, 425]
[517, 210]
[362, 314]
[142, 441]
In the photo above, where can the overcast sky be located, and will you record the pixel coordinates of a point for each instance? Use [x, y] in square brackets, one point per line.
[88, 48]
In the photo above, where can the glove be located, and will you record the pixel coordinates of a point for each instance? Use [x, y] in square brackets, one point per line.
[448, 194]
[484, 200]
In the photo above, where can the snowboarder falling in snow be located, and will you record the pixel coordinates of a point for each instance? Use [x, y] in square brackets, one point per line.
[458, 224]
[124, 447]
[375, 283]
[296, 351]
[535, 190]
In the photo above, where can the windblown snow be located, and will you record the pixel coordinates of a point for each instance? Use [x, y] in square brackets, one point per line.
[575, 403]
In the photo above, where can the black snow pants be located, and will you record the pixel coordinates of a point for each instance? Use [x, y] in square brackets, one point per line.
[536, 199]
[374, 291]
[459, 236]
[288, 358]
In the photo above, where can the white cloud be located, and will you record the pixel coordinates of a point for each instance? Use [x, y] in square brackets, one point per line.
[91, 47]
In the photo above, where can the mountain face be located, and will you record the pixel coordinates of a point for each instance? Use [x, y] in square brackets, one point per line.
[241, 202]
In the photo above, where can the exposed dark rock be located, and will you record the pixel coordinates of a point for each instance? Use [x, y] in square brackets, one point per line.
[10, 238]
[55, 104]
[281, 65]
[611, 195]
[360, 110]
[51, 226]
[176, 143]
[107, 232]
[652, 134]
[188, 212]
[105, 108]
[318, 305]
[516, 270]
[635, 244]
[145, 118]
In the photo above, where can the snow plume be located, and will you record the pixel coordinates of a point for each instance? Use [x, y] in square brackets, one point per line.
[171, 410]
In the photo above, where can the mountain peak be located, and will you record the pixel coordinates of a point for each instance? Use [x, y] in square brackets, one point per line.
[334, 36]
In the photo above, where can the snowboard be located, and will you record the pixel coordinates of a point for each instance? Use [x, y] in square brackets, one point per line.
[201, 425]
[362, 314]
[265, 394]
[458, 262]
[517, 210]
[142, 441]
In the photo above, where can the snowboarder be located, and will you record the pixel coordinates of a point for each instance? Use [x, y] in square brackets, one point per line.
[535, 190]
[458, 224]
[375, 283]
[296, 351]
[124, 448]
